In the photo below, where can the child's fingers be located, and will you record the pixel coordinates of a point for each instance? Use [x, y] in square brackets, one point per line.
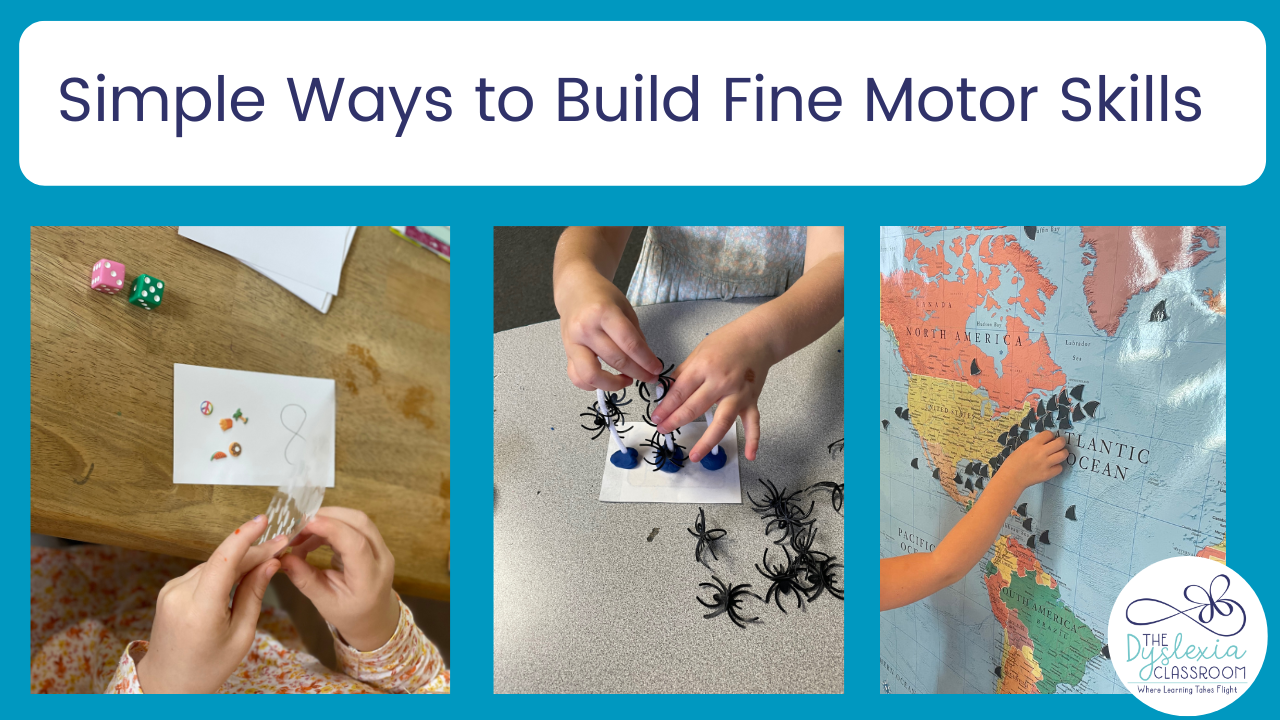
[360, 522]
[720, 426]
[585, 371]
[626, 334]
[616, 358]
[305, 577]
[305, 543]
[354, 548]
[1059, 457]
[223, 568]
[1044, 437]
[686, 384]
[259, 554]
[247, 605]
[692, 409]
[751, 424]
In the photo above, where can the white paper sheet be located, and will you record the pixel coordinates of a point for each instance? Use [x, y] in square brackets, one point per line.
[311, 255]
[315, 297]
[692, 484]
[290, 431]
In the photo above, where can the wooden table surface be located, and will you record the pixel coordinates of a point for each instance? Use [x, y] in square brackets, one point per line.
[102, 390]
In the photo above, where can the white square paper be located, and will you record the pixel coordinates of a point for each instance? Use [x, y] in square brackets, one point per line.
[312, 255]
[692, 484]
[289, 436]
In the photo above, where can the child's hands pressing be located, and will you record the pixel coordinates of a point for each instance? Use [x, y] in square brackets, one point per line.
[196, 640]
[597, 323]
[1036, 460]
[355, 596]
[729, 367]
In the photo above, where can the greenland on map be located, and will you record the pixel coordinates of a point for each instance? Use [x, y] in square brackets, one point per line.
[1113, 337]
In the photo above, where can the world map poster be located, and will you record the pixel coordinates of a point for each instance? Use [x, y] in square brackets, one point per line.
[1112, 337]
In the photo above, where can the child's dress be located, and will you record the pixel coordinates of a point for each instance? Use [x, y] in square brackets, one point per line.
[716, 263]
[90, 604]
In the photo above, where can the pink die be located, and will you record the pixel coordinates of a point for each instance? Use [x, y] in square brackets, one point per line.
[107, 276]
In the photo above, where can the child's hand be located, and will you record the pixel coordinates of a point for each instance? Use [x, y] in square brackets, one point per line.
[355, 596]
[1036, 460]
[729, 367]
[597, 323]
[196, 640]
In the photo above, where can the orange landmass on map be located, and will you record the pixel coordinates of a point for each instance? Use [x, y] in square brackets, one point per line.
[1002, 249]
[928, 321]
[1215, 552]
[932, 260]
[1131, 260]
[1215, 301]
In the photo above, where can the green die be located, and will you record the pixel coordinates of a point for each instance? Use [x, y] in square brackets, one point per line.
[147, 292]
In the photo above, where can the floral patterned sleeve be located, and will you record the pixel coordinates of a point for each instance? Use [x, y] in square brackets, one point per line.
[408, 663]
[125, 681]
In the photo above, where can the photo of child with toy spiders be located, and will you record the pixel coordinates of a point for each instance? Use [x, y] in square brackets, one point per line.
[802, 267]
[678, 550]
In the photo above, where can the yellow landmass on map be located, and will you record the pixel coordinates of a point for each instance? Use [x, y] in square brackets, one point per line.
[956, 426]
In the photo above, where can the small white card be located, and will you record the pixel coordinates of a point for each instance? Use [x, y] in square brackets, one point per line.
[232, 427]
[691, 484]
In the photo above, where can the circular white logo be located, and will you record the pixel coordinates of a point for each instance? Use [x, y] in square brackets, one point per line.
[1187, 636]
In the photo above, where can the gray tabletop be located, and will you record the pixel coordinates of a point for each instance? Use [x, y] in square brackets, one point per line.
[583, 601]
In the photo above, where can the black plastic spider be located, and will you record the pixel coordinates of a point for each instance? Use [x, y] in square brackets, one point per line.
[727, 599]
[613, 405]
[706, 538]
[785, 581]
[663, 454]
[782, 510]
[599, 422]
[791, 521]
[664, 380]
[822, 576]
[836, 447]
[837, 493]
[814, 569]
[802, 543]
[775, 502]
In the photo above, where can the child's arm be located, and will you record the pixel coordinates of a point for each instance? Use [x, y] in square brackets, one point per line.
[596, 321]
[196, 641]
[729, 367]
[375, 637]
[908, 578]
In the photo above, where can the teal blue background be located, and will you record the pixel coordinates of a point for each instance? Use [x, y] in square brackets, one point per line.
[474, 211]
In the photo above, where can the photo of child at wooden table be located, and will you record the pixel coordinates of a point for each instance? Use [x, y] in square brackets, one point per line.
[644, 540]
[238, 380]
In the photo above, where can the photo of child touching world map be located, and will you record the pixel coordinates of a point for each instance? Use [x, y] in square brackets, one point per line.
[1053, 420]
